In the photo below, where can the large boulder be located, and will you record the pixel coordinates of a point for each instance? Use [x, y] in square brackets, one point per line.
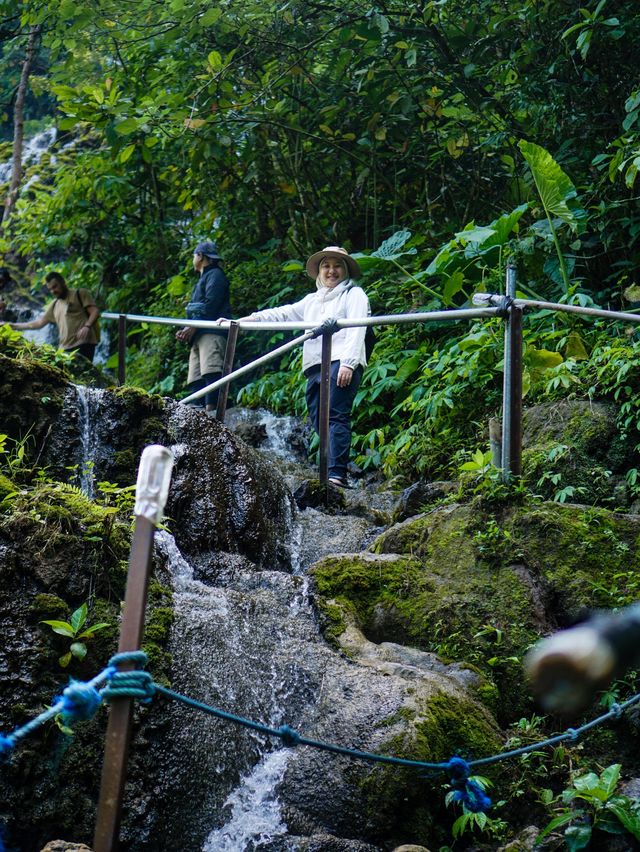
[479, 585]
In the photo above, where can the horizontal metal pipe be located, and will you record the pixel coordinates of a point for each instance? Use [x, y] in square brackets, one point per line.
[252, 325]
[387, 319]
[578, 309]
[495, 299]
[248, 367]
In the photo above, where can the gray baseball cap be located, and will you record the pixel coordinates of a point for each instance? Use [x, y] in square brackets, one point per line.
[208, 249]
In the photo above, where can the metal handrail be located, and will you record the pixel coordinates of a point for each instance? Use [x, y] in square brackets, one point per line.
[486, 304]
[310, 330]
[390, 319]
[494, 299]
[253, 325]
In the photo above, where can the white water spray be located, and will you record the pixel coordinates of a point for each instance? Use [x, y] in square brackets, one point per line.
[255, 810]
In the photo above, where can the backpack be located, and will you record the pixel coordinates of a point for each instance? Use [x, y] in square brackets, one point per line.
[370, 337]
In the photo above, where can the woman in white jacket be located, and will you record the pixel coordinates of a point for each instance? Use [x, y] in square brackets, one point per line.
[336, 297]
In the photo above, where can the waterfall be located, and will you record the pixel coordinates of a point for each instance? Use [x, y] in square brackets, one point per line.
[46, 334]
[87, 400]
[280, 436]
[32, 151]
[255, 810]
[250, 647]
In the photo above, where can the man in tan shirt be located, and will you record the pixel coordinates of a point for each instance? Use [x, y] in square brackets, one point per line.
[74, 312]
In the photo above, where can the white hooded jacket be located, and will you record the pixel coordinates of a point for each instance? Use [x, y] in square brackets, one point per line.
[344, 301]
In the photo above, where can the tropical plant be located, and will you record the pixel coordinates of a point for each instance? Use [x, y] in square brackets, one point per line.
[559, 199]
[594, 807]
[73, 629]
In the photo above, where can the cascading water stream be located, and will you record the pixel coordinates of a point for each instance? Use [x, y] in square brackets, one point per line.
[245, 648]
[87, 401]
[32, 151]
[256, 816]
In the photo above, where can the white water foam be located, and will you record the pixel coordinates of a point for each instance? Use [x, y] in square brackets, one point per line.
[255, 817]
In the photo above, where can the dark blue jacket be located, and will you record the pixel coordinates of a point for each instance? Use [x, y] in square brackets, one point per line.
[210, 299]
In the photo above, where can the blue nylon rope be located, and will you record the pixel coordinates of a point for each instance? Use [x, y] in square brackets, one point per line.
[81, 700]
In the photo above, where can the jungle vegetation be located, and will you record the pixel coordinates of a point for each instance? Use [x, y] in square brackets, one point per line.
[438, 140]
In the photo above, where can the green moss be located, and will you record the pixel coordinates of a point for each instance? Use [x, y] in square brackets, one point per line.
[50, 606]
[576, 445]
[332, 621]
[137, 398]
[125, 460]
[56, 509]
[6, 486]
[586, 555]
[159, 624]
[159, 594]
[159, 662]
[438, 728]
[360, 585]
[451, 727]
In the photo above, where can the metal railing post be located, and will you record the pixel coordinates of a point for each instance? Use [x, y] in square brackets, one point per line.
[324, 406]
[227, 367]
[122, 347]
[512, 385]
[151, 494]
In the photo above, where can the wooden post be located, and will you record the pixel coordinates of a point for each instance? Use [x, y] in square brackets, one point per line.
[495, 441]
[152, 488]
[324, 405]
[227, 367]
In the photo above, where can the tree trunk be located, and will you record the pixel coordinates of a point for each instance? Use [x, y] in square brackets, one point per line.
[18, 126]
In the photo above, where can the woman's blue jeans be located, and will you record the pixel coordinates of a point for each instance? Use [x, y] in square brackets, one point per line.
[340, 405]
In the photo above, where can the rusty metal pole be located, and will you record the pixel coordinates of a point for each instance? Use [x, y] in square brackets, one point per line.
[512, 386]
[122, 347]
[324, 405]
[515, 427]
[152, 489]
[227, 367]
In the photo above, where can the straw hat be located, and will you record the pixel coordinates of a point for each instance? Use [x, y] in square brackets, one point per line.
[313, 264]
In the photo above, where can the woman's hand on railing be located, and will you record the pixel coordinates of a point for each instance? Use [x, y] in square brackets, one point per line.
[184, 335]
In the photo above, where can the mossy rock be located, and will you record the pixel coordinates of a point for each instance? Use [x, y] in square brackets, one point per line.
[31, 398]
[479, 587]
[578, 446]
[60, 525]
[436, 728]
[588, 557]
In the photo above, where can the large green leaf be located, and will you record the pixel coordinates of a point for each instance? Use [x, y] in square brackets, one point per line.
[556, 191]
[392, 247]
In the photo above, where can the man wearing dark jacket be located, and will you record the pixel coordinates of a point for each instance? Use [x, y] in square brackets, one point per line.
[209, 301]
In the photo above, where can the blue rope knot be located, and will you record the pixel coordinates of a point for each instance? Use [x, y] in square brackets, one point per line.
[79, 702]
[289, 737]
[138, 657]
[573, 734]
[467, 791]
[135, 684]
[615, 710]
[6, 746]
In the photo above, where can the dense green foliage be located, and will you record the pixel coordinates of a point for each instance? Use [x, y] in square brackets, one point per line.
[440, 139]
